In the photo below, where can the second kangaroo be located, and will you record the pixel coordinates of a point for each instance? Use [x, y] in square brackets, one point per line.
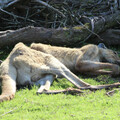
[89, 59]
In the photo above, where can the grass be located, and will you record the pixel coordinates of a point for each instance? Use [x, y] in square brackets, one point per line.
[27, 105]
[89, 106]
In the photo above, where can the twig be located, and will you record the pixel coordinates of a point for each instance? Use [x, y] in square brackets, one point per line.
[38, 11]
[91, 31]
[110, 93]
[118, 22]
[15, 16]
[68, 90]
[92, 25]
[9, 111]
[11, 3]
[26, 17]
[50, 7]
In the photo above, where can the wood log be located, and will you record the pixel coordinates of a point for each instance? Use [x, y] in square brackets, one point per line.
[110, 37]
[62, 36]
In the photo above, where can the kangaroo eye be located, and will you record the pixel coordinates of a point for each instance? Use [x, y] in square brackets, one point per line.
[115, 52]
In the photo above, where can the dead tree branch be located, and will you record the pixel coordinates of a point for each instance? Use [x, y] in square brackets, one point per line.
[50, 7]
[67, 91]
[11, 3]
[15, 16]
[74, 29]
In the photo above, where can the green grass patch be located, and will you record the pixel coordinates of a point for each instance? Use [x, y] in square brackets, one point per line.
[27, 105]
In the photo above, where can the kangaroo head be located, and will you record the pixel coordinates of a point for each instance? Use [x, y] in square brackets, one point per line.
[109, 55]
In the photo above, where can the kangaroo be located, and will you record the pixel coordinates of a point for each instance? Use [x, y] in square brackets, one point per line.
[89, 59]
[26, 66]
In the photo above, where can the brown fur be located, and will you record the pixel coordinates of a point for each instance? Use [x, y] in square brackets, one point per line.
[89, 59]
[27, 66]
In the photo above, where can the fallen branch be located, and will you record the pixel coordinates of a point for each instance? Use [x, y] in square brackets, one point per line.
[112, 92]
[68, 91]
[61, 36]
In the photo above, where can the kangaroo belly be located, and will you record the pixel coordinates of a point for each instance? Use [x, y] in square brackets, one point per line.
[23, 77]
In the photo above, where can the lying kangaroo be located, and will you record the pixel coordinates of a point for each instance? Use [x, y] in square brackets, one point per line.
[27, 66]
[90, 58]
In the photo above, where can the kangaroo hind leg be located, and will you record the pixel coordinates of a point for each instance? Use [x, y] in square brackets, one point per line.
[96, 67]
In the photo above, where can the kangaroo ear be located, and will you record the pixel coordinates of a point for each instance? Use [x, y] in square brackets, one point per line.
[1, 61]
[102, 45]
